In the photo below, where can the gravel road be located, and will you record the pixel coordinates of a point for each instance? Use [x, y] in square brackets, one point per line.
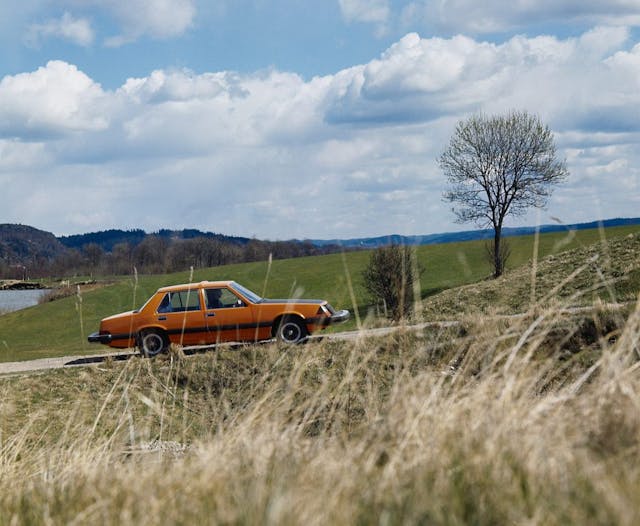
[24, 367]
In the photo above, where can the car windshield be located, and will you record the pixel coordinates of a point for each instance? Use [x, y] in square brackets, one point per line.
[251, 296]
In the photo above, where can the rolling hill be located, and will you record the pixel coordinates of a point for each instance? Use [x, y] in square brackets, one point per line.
[472, 235]
[21, 244]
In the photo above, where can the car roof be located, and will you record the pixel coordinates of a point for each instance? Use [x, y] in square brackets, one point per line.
[201, 284]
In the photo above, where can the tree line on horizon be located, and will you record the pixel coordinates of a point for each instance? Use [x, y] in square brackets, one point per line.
[152, 254]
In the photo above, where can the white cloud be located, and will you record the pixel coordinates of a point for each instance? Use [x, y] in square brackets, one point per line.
[327, 157]
[75, 30]
[71, 20]
[496, 15]
[17, 157]
[155, 18]
[569, 82]
[50, 101]
[376, 11]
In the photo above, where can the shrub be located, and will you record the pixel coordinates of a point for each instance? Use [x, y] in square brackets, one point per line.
[390, 279]
[57, 294]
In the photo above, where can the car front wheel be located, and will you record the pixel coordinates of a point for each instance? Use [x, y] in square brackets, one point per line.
[292, 331]
[152, 342]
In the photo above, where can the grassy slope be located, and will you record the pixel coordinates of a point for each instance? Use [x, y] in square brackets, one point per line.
[60, 328]
[521, 420]
[607, 272]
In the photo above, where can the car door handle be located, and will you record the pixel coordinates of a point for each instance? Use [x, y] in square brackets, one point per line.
[162, 318]
[210, 314]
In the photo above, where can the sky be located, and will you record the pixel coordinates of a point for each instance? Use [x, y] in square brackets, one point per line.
[317, 119]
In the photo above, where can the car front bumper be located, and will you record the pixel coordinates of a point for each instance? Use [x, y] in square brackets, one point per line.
[96, 337]
[339, 316]
[324, 321]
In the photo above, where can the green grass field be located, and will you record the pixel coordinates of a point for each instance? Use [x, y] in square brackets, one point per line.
[60, 328]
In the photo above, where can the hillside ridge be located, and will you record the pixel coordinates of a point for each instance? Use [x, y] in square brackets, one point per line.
[25, 246]
[473, 235]
[18, 242]
[608, 271]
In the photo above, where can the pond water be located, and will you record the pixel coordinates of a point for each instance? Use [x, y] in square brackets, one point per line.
[11, 300]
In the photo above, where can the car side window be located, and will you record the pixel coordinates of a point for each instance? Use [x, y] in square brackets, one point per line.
[222, 298]
[181, 301]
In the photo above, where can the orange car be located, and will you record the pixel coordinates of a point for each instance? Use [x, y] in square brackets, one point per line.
[211, 312]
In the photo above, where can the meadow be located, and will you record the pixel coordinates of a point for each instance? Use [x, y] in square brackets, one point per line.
[60, 328]
[499, 419]
[524, 411]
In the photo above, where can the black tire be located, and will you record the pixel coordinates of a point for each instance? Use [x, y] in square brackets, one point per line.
[292, 331]
[152, 342]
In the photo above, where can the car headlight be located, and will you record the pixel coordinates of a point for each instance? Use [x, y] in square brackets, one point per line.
[327, 310]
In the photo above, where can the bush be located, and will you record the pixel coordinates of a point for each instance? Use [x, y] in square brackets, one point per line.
[390, 277]
[57, 294]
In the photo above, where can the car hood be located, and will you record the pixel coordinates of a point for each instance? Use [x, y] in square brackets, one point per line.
[293, 301]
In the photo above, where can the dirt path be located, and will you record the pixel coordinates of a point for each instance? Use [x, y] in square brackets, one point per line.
[42, 364]
[60, 362]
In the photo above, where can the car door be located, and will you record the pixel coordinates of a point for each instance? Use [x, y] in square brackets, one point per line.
[182, 315]
[229, 317]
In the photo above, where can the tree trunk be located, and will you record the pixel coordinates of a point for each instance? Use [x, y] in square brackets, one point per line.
[498, 263]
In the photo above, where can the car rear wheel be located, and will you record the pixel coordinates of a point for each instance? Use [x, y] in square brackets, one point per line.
[292, 331]
[152, 342]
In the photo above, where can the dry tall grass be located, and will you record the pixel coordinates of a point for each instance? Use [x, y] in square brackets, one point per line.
[608, 271]
[530, 420]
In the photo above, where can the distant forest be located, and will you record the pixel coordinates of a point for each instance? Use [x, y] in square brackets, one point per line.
[28, 253]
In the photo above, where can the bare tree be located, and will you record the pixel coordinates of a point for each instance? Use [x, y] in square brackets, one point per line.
[94, 255]
[121, 259]
[500, 165]
[149, 255]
